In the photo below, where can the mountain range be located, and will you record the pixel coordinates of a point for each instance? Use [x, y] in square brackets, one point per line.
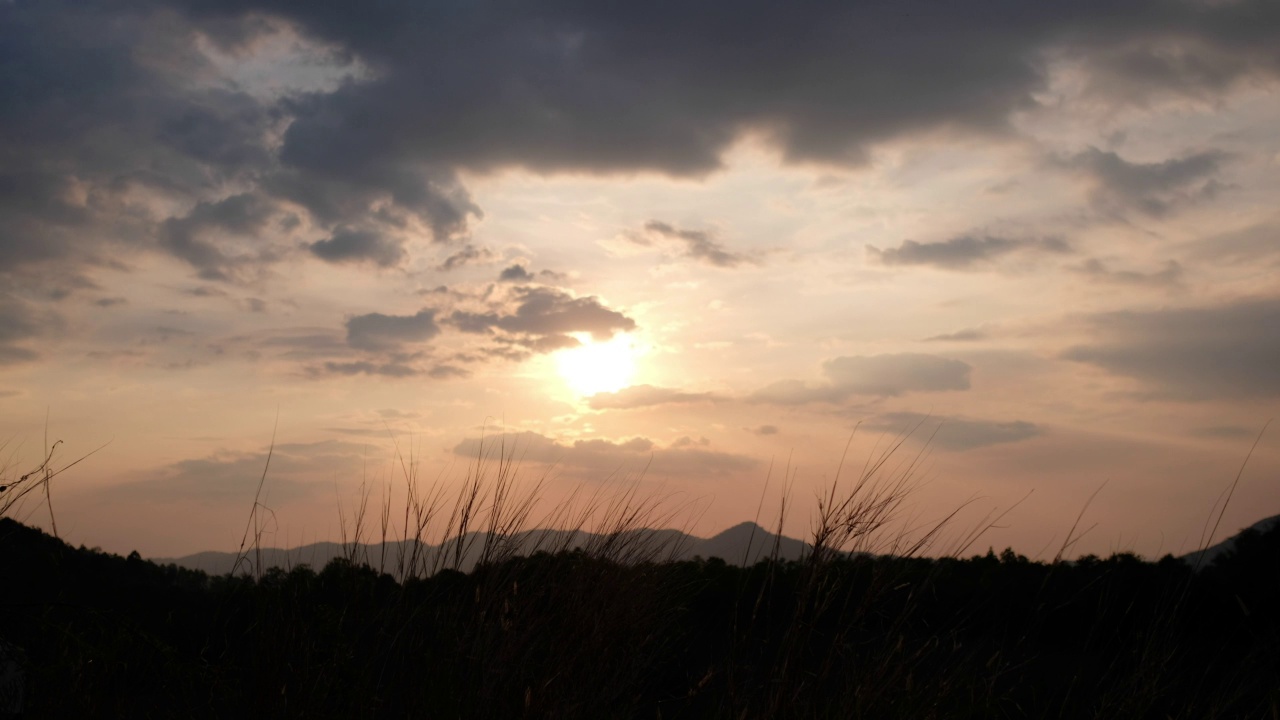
[1205, 557]
[742, 544]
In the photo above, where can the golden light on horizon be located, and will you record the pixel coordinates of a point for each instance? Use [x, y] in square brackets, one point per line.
[596, 367]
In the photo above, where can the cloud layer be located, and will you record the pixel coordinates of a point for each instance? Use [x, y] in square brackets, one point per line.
[1218, 351]
[886, 375]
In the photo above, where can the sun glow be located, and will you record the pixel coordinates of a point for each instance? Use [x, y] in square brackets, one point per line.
[596, 367]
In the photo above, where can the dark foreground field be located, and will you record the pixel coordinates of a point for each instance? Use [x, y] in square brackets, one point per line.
[576, 636]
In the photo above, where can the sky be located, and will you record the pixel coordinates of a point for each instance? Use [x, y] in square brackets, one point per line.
[690, 248]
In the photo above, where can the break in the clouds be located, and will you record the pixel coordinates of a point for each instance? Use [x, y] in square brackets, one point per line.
[964, 252]
[698, 244]
[608, 458]
[1219, 351]
[886, 375]
[954, 433]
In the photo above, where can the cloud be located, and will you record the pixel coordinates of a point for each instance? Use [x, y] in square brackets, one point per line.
[13, 354]
[698, 245]
[638, 396]
[515, 273]
[376, 331]
[888, 375]
[1252, 244]
[109, 113]
[955, 433]
[1192, 353]
[298, 471]
[448, 372]
[468, 255]
[602, 458]
[543, 318]
[1168, 278]
[239, 216]
[963, 252]
[765, 430]
[21, 323]
[364, 367]
[872, 375]
[1141, 72]
[1229, 432]
[579, 86]
[965, 335]
[1156, 188]
[348, 245]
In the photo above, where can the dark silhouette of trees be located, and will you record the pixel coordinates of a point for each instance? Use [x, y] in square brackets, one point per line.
[572, 635]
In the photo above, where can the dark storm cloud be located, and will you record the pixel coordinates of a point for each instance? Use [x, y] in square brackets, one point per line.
[349, 245]
[639, 396]
[1222, 351]
[97, 100]
[546, 315]
[337, 189]
[699, 245]
[603, 458]
[964, 252]
[376, 331]
[955, 433]
[1152, 188]
[102, 103]
[1097, 271]
[590, 86]
[872, 375]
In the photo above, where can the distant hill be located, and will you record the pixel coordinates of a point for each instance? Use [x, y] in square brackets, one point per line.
[1206, 557]
[746, 543]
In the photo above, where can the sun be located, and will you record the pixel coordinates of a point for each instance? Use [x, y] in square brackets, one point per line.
[596, 367]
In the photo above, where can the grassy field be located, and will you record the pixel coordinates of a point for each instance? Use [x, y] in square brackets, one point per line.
[865, 625]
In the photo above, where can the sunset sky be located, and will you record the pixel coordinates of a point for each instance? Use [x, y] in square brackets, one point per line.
[680, 241]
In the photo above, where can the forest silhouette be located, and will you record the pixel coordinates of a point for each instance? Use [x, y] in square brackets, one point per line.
[576, 634]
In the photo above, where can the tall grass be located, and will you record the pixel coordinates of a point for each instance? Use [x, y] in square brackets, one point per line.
[468, 599]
